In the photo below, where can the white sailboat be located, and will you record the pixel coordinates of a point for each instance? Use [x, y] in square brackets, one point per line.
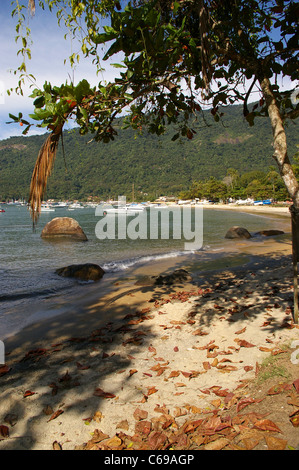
[46, 208]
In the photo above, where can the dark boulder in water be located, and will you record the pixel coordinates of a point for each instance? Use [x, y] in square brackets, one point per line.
[63, 228]
[237, 232]
[269, 233]
[82, 272]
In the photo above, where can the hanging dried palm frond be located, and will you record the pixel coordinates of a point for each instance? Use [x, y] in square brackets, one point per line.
[42, 170]
[204, 25]
[31, 7]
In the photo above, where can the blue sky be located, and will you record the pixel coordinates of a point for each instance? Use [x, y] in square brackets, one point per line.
[49, 50]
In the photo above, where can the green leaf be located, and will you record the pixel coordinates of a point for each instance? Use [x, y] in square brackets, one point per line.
[119, 66]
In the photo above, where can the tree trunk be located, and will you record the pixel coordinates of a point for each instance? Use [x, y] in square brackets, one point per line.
[287, 174]
[280, 143]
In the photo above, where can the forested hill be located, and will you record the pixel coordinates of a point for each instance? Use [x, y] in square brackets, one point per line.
[156, 165]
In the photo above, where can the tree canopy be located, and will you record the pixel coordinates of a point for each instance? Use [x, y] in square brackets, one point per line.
[176, 56]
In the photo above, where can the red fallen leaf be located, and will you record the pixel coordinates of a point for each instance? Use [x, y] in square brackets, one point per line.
[245, 402]
[4, 431]
[4, 370]
[100, 393]
[296, 385]
[243, 343]
[55, 415]
[174, 373]
[240, 331]
[152, 349]
[143, 427]
[266, 425]
[156, 440]
[187, 374]
[140, 414]
[28, 393]
[151, 390]
[132, 371]
[206, 365]
[206, 391]
[211, 424]
[221, 393]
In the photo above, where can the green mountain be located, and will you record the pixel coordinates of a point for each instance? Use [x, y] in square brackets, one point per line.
[156, 165]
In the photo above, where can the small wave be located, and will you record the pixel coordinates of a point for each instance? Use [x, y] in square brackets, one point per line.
[117, 266]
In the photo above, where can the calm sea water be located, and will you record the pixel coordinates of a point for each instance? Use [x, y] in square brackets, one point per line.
[28, 282]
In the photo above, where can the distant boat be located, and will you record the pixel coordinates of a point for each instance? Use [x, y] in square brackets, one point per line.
[262, 203]
[60, 205]
[76, 206]
[2, 210]
[46, 208]
[128, 209]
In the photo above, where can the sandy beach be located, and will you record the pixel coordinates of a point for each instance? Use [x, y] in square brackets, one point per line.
[152, 353]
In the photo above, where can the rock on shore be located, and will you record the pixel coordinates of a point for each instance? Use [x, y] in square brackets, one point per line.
[63, 227]
[237, 232]
[82, 272]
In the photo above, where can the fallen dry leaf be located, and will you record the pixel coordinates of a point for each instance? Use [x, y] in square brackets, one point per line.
[97, 417]
[275, 443]
[140, 414]
[243, 343]
[156, 440]
[218, 444]
[28, 393]
[55, 415]
[240, 331]
[114, 442]
[100, 393]
[174, 373]
[143, 427]
[294, 418]
[123, 425]
[250, 443]
[4, 370]
[276, 389]
[266, 425]
[245, 402]
[296, 385]
[4, 431]
[56, 446]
